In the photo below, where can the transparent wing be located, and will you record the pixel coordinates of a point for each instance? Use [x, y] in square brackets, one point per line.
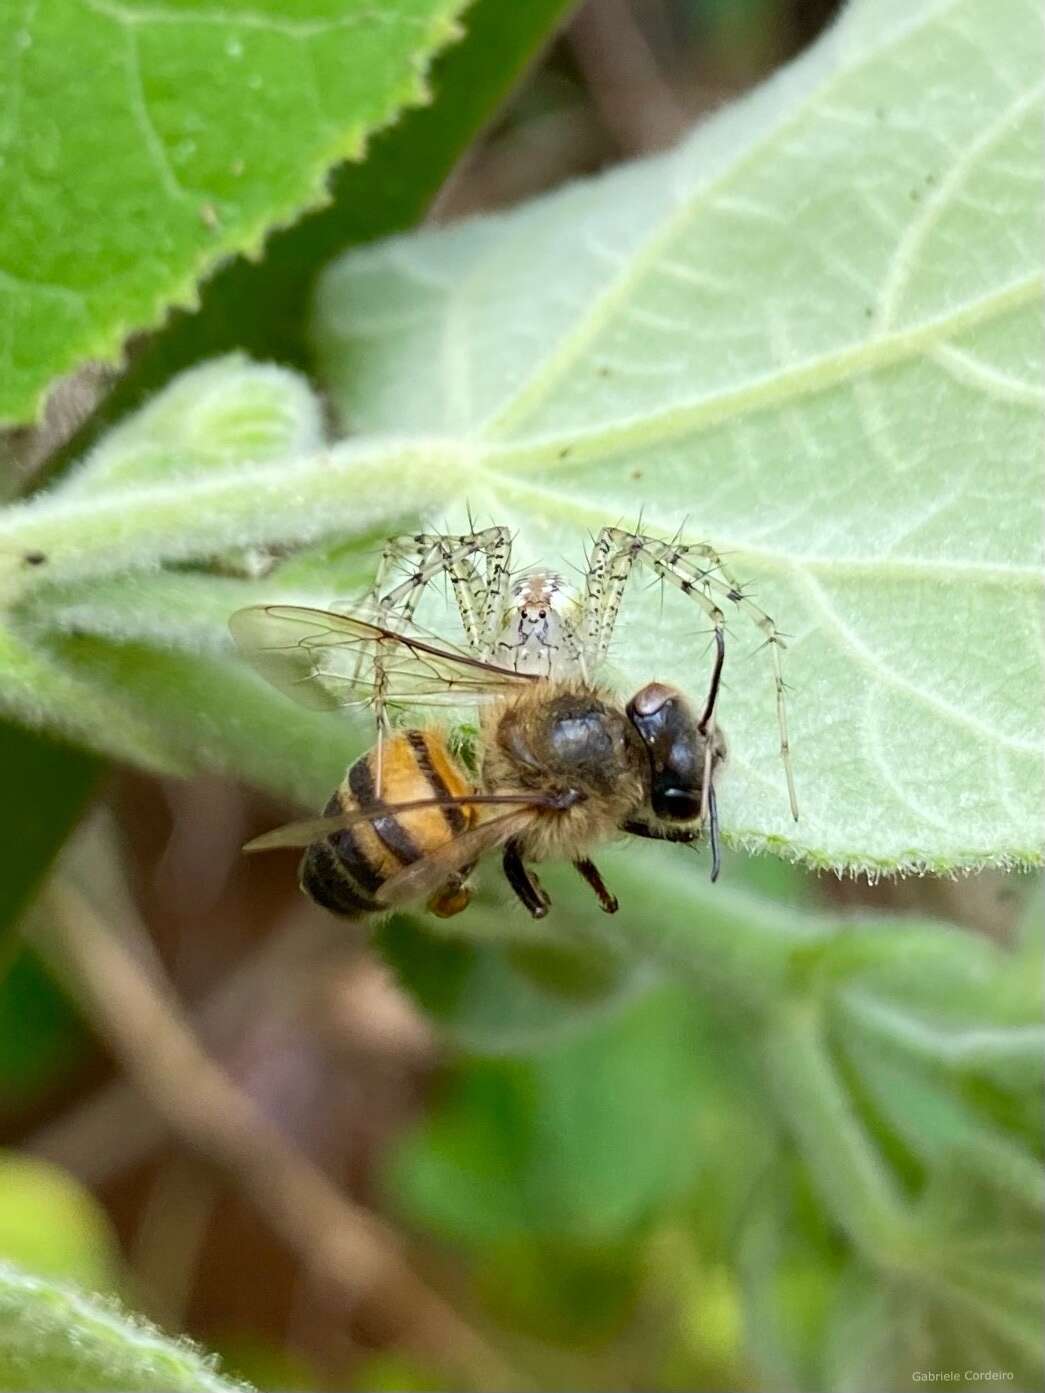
[313, 829]
[324, 660]
[424, 877]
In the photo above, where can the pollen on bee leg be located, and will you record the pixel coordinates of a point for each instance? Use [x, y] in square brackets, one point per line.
[450, 900]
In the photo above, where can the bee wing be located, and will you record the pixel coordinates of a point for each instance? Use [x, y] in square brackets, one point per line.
[325, 660]
[314, 829]
[424, 877]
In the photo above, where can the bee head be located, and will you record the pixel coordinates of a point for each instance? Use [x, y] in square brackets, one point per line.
[676, 748]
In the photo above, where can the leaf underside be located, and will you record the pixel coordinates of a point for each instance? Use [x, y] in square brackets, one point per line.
[811, 336]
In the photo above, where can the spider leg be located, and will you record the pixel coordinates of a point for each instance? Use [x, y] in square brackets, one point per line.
[725, 584]
[716, 678]
[428, 556]
[497, 551]
[437, 554]
[700, 573]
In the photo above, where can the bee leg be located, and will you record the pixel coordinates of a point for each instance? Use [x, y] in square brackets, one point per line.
[590, 872]
[527, 887]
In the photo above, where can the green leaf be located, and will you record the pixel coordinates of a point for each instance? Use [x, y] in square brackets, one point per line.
[794, 1107]
[52, 1226]
[54, 1336]
[497, 998]
[53, 783]
[259, 305]
[343, 491]
[211, 418]
[42, 1038]
[572, 1144]
[142, 145]
[979, 1313]
[40, 691]
[499, 984]
[212, 716]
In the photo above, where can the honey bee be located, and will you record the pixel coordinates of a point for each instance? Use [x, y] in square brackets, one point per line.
[562, 764]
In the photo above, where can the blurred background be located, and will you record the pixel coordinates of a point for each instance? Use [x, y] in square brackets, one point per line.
[430, 1165]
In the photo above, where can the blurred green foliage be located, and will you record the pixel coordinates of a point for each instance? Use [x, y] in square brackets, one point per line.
[76, 1243]
[829, 1185]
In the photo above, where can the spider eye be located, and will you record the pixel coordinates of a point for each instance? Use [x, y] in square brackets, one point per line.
[542, 614]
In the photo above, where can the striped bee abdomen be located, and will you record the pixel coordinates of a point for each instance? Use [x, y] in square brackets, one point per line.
[345, 871]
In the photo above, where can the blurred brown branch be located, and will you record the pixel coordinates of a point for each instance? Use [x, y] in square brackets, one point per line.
[347, 1248]
[109, 1132]
[633, 97]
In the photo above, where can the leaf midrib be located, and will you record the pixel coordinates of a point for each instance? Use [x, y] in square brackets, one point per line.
[772, 390]
[565, 352]
[457, 462]
[586, 515]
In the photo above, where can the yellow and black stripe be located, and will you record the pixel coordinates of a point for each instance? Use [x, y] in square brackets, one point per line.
[345, 871]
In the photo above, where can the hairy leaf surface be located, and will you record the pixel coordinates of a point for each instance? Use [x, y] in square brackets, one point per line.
[55, 1336]
[811, 336]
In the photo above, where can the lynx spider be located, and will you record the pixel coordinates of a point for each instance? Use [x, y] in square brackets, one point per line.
[533, 620]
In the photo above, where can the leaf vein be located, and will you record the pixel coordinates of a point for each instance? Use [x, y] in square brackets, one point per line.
[140, 112]
[932, 209]
[887, 676]
[772, 389]
[974, 372]
[566, 351]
